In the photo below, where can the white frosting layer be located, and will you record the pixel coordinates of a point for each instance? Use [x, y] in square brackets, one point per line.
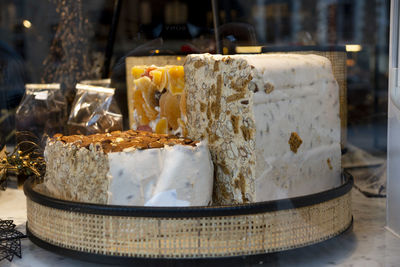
[170, 176]
[305, 100]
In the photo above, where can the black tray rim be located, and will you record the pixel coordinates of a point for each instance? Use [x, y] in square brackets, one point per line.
[125, 260]
[190, 212]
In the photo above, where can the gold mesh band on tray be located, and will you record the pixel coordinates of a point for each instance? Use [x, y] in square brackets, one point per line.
[203, 237]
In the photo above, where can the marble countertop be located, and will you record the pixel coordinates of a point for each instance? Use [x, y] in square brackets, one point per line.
[368, 243]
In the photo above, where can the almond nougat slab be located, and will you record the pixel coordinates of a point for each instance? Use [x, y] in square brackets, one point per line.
[129, 168]
[272, 123]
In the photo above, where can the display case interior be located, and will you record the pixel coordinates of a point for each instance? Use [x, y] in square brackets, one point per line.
[225, 112]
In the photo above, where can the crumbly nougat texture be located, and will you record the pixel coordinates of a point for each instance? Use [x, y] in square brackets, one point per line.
[254, 110]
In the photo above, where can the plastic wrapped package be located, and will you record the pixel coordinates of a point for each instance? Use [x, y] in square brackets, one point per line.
[100, 82]
[94, 111]
[42, 112]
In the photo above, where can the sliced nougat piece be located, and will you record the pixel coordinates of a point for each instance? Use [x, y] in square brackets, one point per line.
[156, 102]
[129, 168]
[272, 123]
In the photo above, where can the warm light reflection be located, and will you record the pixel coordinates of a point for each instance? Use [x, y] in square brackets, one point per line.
[353, 48]
[178, 58]
[157, 51]
[27, 24]
[248, 49]
[350, 62]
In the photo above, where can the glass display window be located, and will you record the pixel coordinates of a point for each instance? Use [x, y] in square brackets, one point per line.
[226, 132]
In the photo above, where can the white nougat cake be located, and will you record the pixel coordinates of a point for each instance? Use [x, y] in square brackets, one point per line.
[272, 123]
[129, 168]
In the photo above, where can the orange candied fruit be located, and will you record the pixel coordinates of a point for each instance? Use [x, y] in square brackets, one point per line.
[176, 82]
[159, 77]
[169, 108]
[148, 90]
[144, 100]
[138, 102]
[138, 71]
[147, 72]
[162, 126]
[182, 124]
[176, 72]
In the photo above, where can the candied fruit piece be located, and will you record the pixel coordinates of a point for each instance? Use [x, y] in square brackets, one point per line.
[162, 126]
[176, 86]
[138, 102]
[159, 78]
[142, 82]
[176, 72]
[182, 104]
[144, 100]
[169, 108]
[163, 87]
[148, 90]
[137, 71]
[151, 113]
[176, 82]
[182, 124]
[147, 72]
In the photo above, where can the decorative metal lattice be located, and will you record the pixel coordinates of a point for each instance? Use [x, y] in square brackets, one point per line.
[10, 240]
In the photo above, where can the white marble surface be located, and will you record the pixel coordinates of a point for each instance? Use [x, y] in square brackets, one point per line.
[367, 244]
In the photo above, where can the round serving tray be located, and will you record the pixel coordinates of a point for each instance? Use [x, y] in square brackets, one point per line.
[125, 234]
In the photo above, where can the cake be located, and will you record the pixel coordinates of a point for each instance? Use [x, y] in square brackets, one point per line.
[272, 123]
[156, 101]
[129, 168]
